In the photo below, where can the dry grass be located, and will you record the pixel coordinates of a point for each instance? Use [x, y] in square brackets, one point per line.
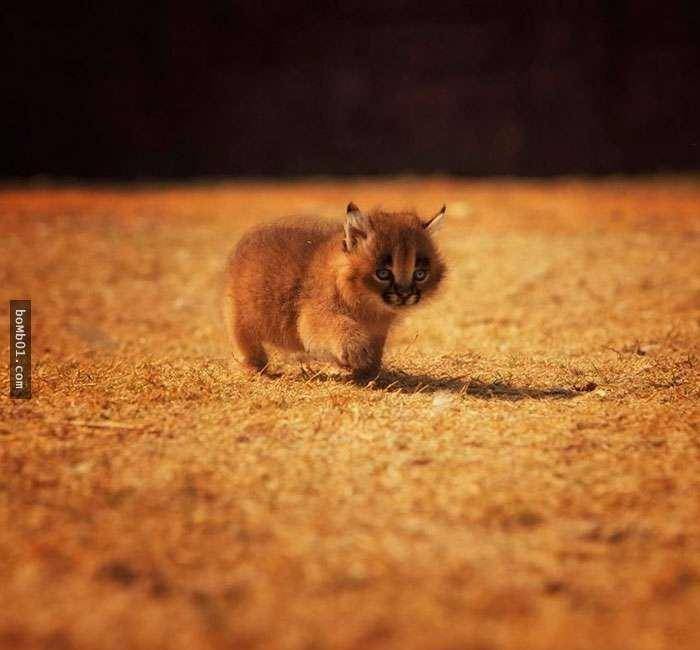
[524, 475]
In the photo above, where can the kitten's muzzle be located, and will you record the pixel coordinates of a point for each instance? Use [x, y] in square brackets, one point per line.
[398, 296]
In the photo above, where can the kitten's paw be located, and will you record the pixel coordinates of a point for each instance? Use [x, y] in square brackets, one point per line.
[365, 375]
[250, 366]
[253, 369]
[359, 354]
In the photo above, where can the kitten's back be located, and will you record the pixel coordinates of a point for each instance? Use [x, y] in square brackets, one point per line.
[266, 272]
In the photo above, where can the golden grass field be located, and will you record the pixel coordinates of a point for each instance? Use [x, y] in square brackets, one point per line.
[525, 473]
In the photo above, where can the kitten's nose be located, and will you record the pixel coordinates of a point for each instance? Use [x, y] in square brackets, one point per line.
[403, 291]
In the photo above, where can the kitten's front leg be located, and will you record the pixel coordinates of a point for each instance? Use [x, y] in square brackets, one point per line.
[349, 344]
[360, 352]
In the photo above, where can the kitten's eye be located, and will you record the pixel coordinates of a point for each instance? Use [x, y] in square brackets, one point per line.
[383, 274]
[419, 275]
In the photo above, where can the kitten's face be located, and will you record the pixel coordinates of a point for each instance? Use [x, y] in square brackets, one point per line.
[393, 258]
[401, 277]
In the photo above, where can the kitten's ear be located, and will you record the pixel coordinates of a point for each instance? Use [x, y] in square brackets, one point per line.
[356, 227]
[435, 222]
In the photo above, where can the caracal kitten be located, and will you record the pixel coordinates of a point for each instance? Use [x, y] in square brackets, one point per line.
[329, 290]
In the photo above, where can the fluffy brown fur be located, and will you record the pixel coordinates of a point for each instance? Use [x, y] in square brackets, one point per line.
[329, 290]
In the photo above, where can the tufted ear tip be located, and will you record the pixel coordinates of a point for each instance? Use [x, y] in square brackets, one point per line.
[434, 222]
[356, 227]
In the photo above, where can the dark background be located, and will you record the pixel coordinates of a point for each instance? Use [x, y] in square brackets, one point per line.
[105, 90]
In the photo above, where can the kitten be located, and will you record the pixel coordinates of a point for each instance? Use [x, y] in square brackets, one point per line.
[329, 290]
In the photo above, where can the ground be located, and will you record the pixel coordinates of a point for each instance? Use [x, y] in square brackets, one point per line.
[524, 474]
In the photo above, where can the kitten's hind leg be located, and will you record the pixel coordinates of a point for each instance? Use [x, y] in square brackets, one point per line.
[252, 353]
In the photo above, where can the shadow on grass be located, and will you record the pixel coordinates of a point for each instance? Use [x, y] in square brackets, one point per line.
[396, 380]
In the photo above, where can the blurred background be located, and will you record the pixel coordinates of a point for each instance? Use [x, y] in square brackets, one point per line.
[176, 90]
